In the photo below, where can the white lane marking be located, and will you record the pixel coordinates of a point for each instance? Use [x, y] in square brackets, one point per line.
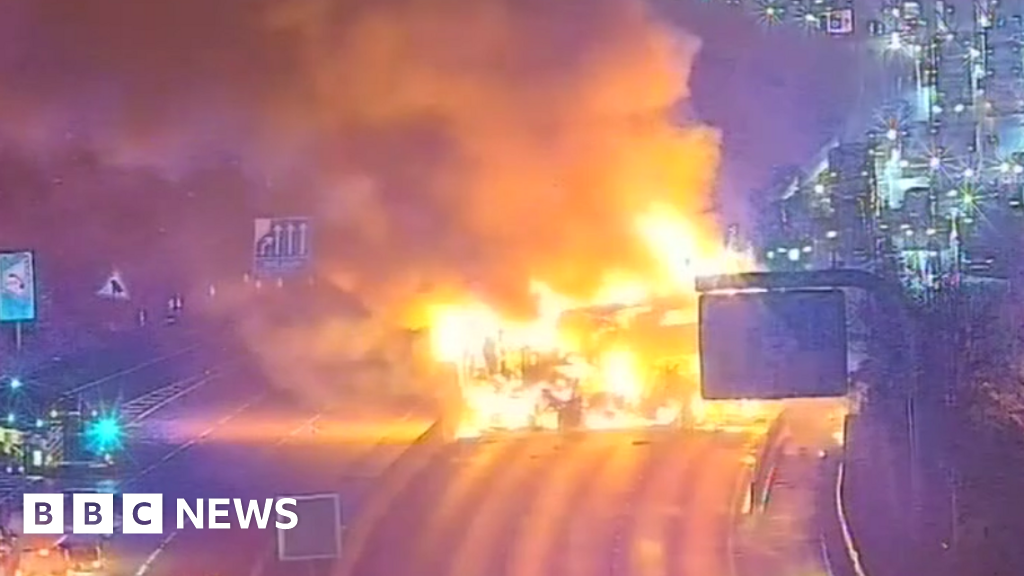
[292, 433]
[148, 563]
[844, 523]
[204, 380]
[198, 439]
[163, 545]
[741, 493]
[131, 370]
[825, 558]
[306, 425]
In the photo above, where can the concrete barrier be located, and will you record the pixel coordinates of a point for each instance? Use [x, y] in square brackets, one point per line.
[394, 478]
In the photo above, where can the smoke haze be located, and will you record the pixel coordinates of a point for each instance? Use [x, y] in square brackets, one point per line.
[444, 146]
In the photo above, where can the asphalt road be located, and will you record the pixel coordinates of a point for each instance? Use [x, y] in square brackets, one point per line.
[645, 503]
[122, 368]
[238, 437]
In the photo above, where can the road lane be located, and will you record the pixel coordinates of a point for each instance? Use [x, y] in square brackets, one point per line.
[123, 368]
[236, 437]
[646, 503]
[111, 374]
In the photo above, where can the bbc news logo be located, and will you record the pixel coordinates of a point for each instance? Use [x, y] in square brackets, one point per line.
[144, 513]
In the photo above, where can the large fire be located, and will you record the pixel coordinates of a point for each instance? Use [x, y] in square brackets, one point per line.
[516, 374]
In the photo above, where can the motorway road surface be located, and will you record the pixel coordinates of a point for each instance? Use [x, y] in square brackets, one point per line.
[125, 367]
[230, 434]
[236, 437]
[644, 503]
[122, 368]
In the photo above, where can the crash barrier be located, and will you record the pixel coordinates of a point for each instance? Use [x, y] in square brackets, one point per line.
[394, 478]
[765, 464]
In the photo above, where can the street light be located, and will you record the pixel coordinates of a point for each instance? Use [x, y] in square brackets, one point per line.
[16, 383]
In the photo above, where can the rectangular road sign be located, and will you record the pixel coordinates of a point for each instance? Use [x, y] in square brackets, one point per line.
[281, 245]
[317, 536]
[772, 345]
[840, 22]
[17, 287]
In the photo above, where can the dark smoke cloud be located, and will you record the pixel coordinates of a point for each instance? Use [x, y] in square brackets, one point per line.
[778, 92]
[494, 135]
[444, 145]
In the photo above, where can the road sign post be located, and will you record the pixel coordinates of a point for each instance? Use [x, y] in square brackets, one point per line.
[281, 246]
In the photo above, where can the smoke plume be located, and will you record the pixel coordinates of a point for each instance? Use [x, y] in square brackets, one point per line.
[444, 146]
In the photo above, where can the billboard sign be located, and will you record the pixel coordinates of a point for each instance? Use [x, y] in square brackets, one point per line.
[773, 345]
[17, 287]
[281, 245]
[317, 536]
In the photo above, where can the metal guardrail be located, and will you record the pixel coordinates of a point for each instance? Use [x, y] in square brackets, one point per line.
[774, 443]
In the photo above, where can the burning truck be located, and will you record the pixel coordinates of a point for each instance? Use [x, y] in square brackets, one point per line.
[596, 367]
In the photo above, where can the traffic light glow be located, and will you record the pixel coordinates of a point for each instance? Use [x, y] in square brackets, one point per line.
[104, 435]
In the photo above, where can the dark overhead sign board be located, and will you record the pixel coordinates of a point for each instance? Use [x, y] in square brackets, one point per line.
[773, 345]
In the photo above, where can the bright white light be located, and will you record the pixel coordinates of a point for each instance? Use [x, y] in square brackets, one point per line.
[936, 109]
[819, 188]
[831, 234]
[959, 108]
[909, 232]
[904, 163]
[969, 173]
[974, 53]
[892, 134]
[895, 43]
[16, 383]
[934, 162]
[794, 254]
[1004, 167]
[1018, 169]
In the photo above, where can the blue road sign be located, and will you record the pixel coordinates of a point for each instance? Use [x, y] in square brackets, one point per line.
[281, 245]
[17, 287]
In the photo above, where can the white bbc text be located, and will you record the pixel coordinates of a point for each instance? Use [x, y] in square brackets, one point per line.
[144, 514]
